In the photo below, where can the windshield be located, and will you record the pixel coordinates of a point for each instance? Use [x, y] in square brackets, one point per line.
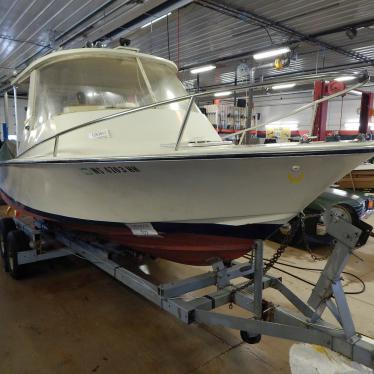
[165, 85]
[97, 83]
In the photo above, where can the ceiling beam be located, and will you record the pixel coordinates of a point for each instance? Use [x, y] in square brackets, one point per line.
[253, 18]
[362, 24]
[135, 24]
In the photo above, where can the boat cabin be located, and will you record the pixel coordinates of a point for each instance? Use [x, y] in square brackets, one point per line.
[68, 88]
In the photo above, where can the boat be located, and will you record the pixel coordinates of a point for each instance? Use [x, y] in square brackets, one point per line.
[114, 147]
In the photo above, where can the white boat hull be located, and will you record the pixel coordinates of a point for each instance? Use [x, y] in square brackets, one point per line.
[226, 189]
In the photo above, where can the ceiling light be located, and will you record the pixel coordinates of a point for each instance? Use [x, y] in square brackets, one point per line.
[203, 69]
[355, 92]
[224, 93]
[345, 78]
[271, 53]
[282, 86]
[155, 20]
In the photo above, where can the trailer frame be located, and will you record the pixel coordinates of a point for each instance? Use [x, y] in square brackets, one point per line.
[306, 325]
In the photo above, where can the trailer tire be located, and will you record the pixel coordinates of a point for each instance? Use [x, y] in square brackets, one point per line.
[6, 225]
[250, 339]
[17, 242]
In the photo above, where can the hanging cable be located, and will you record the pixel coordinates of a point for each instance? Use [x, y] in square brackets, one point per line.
[5, 37]
[341, 114]
[324, 58]
[178, 62]
[6, 68]
[317, 60]
[168, 35]
[267, 31]
[363, 285]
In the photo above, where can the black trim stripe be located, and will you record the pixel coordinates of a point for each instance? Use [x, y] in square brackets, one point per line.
[365, 150]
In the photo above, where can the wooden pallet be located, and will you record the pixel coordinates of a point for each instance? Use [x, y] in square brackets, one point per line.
[358, 179]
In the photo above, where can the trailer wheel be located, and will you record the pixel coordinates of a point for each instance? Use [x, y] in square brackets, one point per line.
[17, 242]
[6, 225]
[250, 339]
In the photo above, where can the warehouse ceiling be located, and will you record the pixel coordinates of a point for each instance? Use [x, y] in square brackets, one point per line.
[322, 34]
[32, 28]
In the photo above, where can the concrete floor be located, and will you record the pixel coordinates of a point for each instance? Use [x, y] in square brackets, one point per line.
[69, 317]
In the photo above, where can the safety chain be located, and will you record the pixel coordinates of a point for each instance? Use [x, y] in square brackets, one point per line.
[282, 248]
[298, 222]
[278, 253]
[314, 257]
[276, 256]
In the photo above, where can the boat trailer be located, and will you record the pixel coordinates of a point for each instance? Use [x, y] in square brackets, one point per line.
[23, 242]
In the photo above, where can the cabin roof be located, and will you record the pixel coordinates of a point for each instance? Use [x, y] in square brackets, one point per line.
[70, 54]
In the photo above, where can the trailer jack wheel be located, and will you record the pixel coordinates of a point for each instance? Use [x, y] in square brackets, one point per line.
[5, 259]
[17, 242]
[250, 339]
[6, 225]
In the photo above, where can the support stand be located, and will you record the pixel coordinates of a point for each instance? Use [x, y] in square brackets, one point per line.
[329, 285]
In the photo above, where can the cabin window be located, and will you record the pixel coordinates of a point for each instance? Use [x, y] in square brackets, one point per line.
[85, 84]
[165, 84]
[28, 88]
[98, 83]
[20, 92]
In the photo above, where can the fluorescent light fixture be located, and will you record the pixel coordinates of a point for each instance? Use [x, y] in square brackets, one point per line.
[225, 93]
[155, 20]
[345, 78]
[282, 86]
[203, 69]
[355, 92]
[12, 137]
[271, 53]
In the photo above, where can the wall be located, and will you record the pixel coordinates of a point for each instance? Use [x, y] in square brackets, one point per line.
[278, 105]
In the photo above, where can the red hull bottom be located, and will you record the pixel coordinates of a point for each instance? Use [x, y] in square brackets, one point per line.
[197, 246]
[186, 248]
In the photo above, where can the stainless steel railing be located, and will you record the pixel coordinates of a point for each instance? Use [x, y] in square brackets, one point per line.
[361, 79]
